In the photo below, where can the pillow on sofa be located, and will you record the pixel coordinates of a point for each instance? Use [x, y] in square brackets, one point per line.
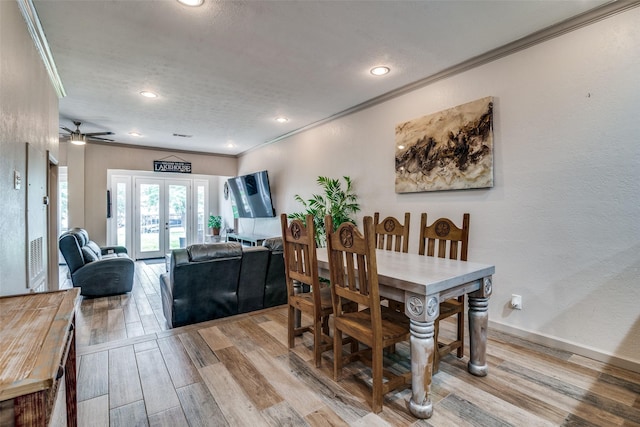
[89, 255]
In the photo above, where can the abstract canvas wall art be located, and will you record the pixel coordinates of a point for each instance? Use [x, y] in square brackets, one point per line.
[448, 150]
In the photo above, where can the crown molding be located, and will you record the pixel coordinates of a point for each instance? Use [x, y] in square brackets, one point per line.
[30, 16]
[148, 147]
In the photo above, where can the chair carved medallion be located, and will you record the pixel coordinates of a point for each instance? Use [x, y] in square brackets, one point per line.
[442, 228]
[346, 237]
[295, 230]
[389, 225]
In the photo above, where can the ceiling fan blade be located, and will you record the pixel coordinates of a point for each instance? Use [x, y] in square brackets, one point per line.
[91, 134]
[66, 128]
[95, 138]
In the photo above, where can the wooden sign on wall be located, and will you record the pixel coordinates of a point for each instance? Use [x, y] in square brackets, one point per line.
[168, 166]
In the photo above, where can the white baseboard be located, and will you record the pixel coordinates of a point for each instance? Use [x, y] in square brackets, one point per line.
[591, 353]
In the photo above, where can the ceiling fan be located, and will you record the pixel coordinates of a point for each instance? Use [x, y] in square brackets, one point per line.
[79, 138]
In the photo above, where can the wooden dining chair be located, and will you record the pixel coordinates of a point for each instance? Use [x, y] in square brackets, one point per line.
[446, 240]
[354, 277]
[301, 265]
[392, 235]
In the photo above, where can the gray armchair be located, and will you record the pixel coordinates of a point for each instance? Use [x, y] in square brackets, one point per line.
[98, 271]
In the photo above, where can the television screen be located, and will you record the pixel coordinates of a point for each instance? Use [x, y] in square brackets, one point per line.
[252, 195]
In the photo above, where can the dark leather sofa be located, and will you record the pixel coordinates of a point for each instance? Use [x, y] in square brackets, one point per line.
[210, 281]
[97, 271]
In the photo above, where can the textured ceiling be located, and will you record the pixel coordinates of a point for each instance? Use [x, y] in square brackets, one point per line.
[226, 69]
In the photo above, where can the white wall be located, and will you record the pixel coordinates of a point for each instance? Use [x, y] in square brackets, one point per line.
[225, 209]
[74, 156]
[561, 223]
[28, 113]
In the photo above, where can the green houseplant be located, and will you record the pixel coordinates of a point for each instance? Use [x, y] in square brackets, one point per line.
[215, 222]
[341, 203]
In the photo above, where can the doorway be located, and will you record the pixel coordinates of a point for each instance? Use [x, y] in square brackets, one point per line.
[152, 215]
[162, 216]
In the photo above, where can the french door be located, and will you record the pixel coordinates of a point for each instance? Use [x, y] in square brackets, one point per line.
[162, 212]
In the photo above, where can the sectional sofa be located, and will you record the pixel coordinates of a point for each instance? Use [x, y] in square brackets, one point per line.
[210, 281]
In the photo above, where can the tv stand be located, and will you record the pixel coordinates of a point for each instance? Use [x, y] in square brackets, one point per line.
[246, 239]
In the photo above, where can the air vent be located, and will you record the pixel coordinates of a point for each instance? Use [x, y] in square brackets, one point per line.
[36, 264]
[181, 135]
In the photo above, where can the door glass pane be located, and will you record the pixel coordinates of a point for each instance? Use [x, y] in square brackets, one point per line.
[149, 217]
[121, 214]
[63, 203]
[177, 216]
[200, 214]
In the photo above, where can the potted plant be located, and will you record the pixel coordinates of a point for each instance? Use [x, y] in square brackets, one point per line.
[340, 203]
[215, 222]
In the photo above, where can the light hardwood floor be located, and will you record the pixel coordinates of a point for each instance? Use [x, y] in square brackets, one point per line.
[239, 372]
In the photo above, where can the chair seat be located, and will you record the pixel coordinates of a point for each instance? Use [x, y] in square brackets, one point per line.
[396, 317]
[306, 298]
[450, 307]
[358, 325]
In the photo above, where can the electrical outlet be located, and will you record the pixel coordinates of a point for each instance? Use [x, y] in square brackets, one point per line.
[516, 302]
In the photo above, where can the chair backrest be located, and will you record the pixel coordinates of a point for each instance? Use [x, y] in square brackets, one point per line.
[352, 263]
[391, 234]
[300, 260]
[444, 239]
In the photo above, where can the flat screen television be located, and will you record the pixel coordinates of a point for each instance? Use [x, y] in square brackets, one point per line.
[252, 195]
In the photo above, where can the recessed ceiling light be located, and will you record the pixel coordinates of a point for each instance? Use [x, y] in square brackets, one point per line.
[135, 134]
[230, 145]
[191, 2]
[282, 119]
[148, 94]
[380, 71]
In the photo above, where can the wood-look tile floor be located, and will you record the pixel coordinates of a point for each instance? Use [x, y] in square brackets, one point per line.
[239, 372]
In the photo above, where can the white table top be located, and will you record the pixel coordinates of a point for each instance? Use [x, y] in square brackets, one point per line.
[420, 274]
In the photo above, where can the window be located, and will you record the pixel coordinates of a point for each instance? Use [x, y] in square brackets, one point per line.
[63, 205]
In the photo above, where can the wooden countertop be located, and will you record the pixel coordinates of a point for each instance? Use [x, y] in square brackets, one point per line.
[34, 332]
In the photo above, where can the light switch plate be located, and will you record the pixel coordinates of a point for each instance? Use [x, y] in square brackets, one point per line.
[17, 180]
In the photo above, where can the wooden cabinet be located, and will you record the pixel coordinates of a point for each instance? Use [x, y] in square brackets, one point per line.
[37, 351]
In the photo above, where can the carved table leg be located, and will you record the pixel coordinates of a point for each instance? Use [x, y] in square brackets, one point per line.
[422, 350]
[478, 320]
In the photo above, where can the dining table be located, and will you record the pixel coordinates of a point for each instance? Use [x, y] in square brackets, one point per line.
[422, 282]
